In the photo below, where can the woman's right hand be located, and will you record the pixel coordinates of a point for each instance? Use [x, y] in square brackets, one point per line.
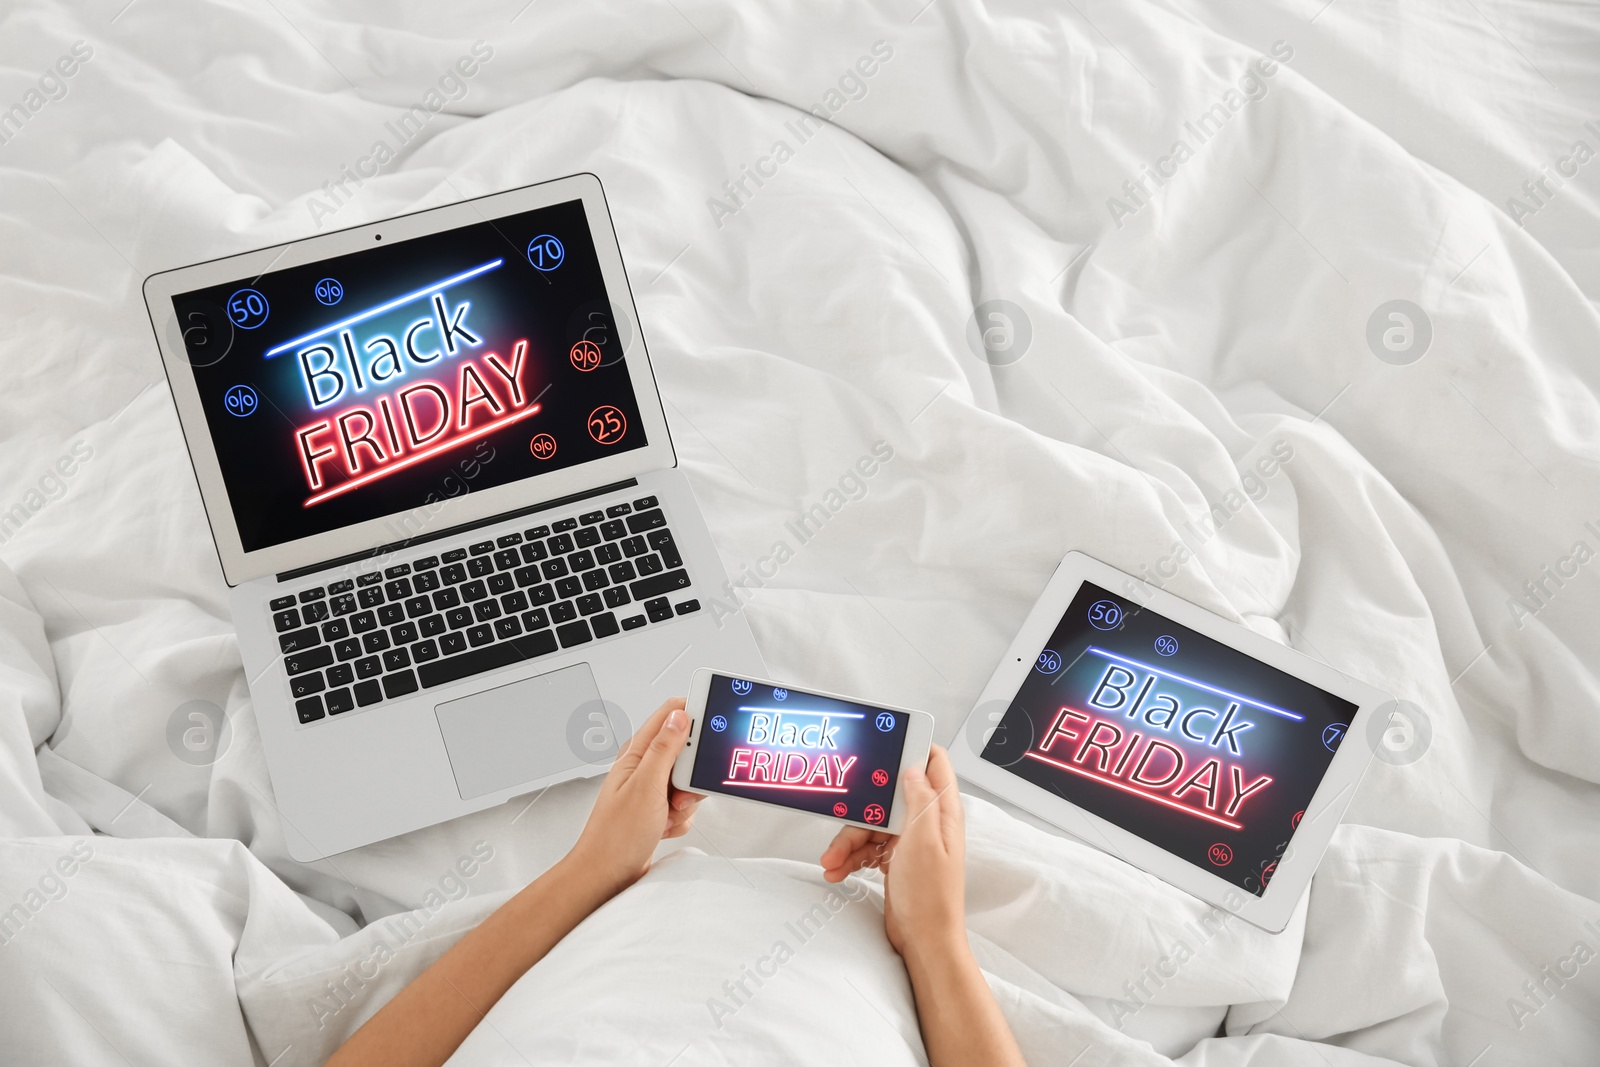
[924, 868]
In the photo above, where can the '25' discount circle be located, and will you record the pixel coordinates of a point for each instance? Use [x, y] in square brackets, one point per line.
[607, 425]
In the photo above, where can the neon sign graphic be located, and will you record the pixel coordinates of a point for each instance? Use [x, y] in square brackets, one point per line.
[1107, 754]
[779, 765]
[1164, 672]
[364, 443]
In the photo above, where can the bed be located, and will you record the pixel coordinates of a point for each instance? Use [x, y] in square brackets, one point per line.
[1080, 270]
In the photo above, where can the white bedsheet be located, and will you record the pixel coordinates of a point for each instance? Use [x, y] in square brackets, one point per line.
[1176, 337]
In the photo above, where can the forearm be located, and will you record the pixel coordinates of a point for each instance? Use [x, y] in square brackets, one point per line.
[961, 1022]
[425, 1023]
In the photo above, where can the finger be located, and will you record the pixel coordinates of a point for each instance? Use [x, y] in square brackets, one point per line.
[683, 800]
[942, 777]
[845, 842]
[639, 743]
[663, 749]
[922, 806]
[872, 852]
[678, 825]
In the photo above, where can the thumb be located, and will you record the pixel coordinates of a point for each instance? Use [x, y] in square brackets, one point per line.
[922, 804]
[662, 752]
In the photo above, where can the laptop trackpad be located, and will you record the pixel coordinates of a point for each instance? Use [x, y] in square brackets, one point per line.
[518, 732]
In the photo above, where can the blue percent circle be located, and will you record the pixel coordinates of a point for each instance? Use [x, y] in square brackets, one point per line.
[329, 291]
[1332, 734]
[740, 686]
[241, 400]
[718, 723]
[247, 309]
[1049, 662]
[545, 252]
[780, 694]
[1105, 614]
[1166, 644]
[884, 721]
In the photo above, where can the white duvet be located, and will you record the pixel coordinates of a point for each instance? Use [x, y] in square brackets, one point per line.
[1195, 213]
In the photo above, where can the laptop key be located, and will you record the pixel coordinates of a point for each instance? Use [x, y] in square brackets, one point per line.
[607, 554]
[553, 568]
[363, 622]
[390, 614]
[560, 544]
[574, 633]
[480, 635]
[593, 580]
[645, 520]
[623, 572]
[507, 540]
[650, 564]
[344, 603]
[455, 555]
[309, 660]
[658, 610]
[486, 611]
[404, 634]
[299, 640]
[303, 685]
[282, 602]
[398, 570]
[339, 700]
[473, 591]
[589, 603]
[563, 611]
[645, 502]
[343, 586]
[634, 546]
[425, 651]
[618, 509]
[426, 582]
[589, 518]
[514, 603]
[501, 654]
[375, 642]
[419, 606]
[398, 685]
[446, 598]
[453, 574]
[398, 589]
[370, 597]
[451, 643]
[536, 532]
[537, 619]
[534, 552]
[506, 629]
[499, 583]
[687, 606]
[526, 575]
[315, 611]
[396, 659]
[480, 566]
[542, 594]
[308, 595]
[658, 584]
[613, 530]
[617, 597]
[368, 693]
[633, 622]
[369, 579]
[433, 626]
[506, 559]
[286, 620]
[604, 625]
[340, 674]
[482, 547]
[568, 587]
[370, 667]
[587, 537]
[459, 617]
[564, 524]
[350, 648]
[335, 630]
[309, 709]
[426, 563]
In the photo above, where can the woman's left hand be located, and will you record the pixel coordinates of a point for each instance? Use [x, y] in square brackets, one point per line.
[637, 807]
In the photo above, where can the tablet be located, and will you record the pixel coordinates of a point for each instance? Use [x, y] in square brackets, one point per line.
[1195, 749]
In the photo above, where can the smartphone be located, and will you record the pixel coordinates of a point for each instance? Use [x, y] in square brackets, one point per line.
[800, 749]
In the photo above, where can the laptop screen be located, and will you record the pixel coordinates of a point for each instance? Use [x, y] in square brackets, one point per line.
[386, 381]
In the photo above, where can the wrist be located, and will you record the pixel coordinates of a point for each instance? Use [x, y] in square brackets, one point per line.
[592, 876]
[938, 952]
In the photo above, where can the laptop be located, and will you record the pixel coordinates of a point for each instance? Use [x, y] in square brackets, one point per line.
[461, 557]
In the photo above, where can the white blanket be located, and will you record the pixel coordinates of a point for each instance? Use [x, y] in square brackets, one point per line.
[808, 290]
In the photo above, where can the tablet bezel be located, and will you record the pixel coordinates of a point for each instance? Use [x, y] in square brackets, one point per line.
[239, 566]
[1270, 911]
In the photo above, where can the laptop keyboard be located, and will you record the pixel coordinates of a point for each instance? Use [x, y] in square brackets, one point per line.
[440, 618]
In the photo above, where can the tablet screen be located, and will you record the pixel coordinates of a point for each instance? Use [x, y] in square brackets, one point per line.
[1190, 744]
[385, 381]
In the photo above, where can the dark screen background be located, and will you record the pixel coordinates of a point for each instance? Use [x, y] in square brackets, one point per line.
[1295, 754]
[875, 748]
[552, 310]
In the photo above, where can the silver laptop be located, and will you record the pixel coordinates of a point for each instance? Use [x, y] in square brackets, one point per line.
[433, 458]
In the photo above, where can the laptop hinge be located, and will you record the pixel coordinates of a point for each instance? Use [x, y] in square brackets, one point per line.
[395, 546]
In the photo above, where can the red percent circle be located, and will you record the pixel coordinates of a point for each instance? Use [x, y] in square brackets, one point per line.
[840, 809]
[873, 814]
[585, 355]
[880, 777]
[1294, 820]
[543, 446]
[1220, 854]
[607, 425]
[1266, 875]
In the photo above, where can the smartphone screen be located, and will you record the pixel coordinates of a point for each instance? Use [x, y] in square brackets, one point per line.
[799, 750]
